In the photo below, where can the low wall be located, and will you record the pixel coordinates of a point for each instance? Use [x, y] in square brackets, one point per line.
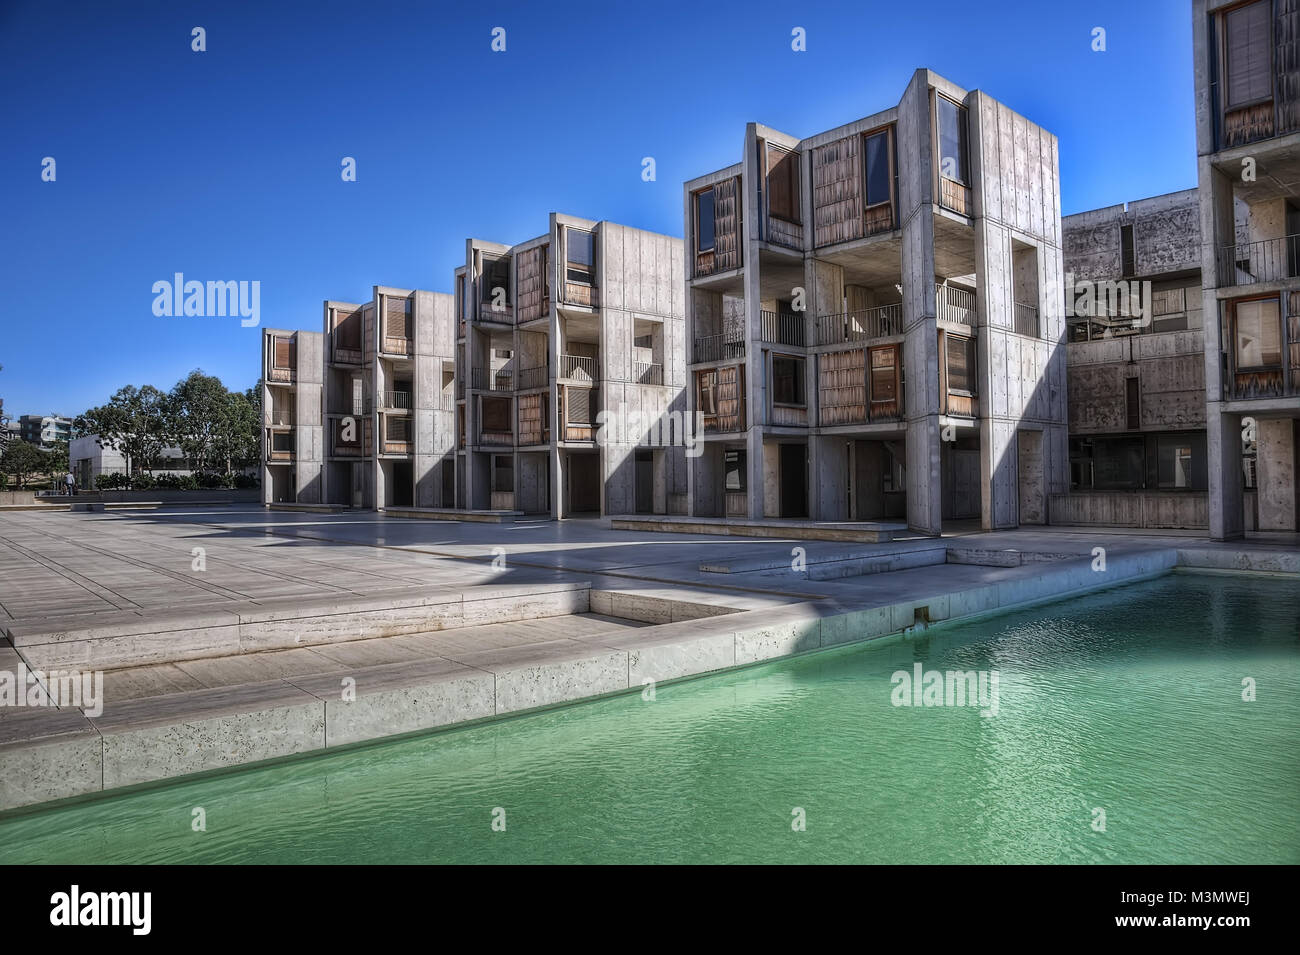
[248, 495]
[1184, 510]
[17, 498]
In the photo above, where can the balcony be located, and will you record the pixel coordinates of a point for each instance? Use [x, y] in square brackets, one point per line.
[447, 402]
[1026, 320]
[500, 380]
[579, 368]
[279, 447]
[536, 377]
[647, 373]
[783, 328]
[718, 347]
[280, 418]
[954, 196]
[861, 325]
[1266, 260]
[579, 293]
[397, 434]
[503, 315]
[496, 439]
[397, 399]
[954, 305]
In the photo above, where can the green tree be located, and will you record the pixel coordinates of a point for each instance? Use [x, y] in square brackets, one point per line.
[201, 420]
[22, 459]
[133, 423]
[56, 462]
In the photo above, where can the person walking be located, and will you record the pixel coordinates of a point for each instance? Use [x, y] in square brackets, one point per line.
[71, 483]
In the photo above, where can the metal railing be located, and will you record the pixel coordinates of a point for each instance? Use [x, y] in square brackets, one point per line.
[861, 325]
[783, 328]
[447, 402]
[397, 399]
[578, 367]
[647, 373]
[1026, 319]
[281, 418]
[1266, 260]
[718, 348]
[485, 379]
[535, 377]
[954, 305]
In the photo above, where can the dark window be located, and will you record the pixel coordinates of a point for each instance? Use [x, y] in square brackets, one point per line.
[503, 472]
[1118, 463]
[879, 175]
[1132, 408]
[496, 414]
[783, 184]
[734, 471]
[1126, 249]
[706, 383]
[704, 221]
[952, 141]
[961, 364]
[1180, 461]
[581, 248]
[787, 380]
[1249, 47]
[496, 275]
[282, 441]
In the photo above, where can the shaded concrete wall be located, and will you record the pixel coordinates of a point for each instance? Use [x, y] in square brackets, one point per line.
[308, 418]
[1016, 196]
[434, 428]
[1165, 238]
[1170, 369]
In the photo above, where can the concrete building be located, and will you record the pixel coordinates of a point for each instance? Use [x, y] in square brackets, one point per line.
[1135, 366]
[387, 389]
[44, 431]
[291, 416]
[88, 460]
[874, 316]
[569, 361]
[1247, 69]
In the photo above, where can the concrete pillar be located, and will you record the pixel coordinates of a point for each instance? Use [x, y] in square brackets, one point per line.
[829, 485]
[1223, 453]
[1275, 463]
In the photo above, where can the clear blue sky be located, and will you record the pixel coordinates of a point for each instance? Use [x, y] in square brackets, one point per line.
[224, 165]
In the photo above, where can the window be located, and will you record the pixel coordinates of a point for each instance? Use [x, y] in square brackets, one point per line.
[581, 249]
[961, 364]
[1258, 335]
[704, 221]
[282, 353]
[733, 465]
[879, 177]
[884, 374]
[1174, 461]
[495, 414]
[952, 141]
[1248, 49]
[783, 184]
[706, 392]
[1118, 463]
[282, 441]
[496, 275]
[347, 330]
[503, 472]
[1127, 263]
[1132, 405]
[787, 380]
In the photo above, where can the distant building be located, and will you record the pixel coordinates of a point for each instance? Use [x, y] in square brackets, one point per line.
[44, 431]
[88, 460]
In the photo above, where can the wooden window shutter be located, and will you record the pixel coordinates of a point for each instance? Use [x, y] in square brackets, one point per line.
[282, 356]
[726, 218]
[1250, 49]
[398, 323]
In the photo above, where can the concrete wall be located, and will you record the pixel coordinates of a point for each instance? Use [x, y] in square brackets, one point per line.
[1170, 369]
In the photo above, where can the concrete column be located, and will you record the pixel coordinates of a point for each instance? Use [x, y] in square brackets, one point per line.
[1223, 453]
[1275, 446]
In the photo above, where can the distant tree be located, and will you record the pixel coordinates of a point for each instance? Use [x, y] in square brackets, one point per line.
[56, 461]
[22, 459]
[201, 420]
[133, 423]
[239, 443]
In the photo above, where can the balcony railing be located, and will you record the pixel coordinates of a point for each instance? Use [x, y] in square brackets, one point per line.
[536, 377]
[1266, 260]
[484, 379]
[783, 328]
[954, 305]
[447, 402]
[505, 315]
[497, 438]
[579, 293]
[718, 348]
[1026, 319]
[861, 325]
[579, 368]
[646, 373]
[397, 399]
[281, 419]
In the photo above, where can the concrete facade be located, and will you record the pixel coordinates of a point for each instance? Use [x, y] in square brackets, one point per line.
[568, 361]
[874, 315]
[291, 416]
[1248, 162]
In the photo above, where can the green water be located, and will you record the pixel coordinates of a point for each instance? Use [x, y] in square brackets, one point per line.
[1129, 701]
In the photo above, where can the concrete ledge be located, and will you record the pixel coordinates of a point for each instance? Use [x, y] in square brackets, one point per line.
[779, 530]
[453, 514]
[1262, 561]
[652, 609]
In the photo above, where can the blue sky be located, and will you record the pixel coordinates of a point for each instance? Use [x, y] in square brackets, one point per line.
[224, 165]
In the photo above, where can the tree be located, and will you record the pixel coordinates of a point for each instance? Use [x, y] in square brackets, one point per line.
[22, 459]
[56, 463]
[200, 419]
[134, 423]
